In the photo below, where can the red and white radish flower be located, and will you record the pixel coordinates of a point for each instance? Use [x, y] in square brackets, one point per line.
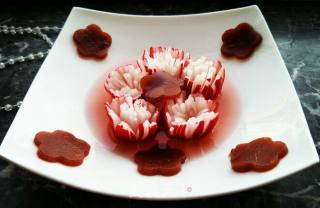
[205, 77]
[188, 89]
[125, 81]
[191, 117]
[131, 119]
[170, 60]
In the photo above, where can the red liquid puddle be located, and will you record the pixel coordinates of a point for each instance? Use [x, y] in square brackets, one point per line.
[100, 125]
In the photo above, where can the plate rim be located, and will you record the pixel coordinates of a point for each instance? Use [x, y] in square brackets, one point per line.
[147, 198]
[75, 8]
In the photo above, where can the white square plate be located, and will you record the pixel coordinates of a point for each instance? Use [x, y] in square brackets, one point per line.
[57, 99]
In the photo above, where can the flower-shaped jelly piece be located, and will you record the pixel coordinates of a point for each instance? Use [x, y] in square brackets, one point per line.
[159, 86]
[157, 161]
[61, 146]
[259, 155]
[92, 42]
[240, 41]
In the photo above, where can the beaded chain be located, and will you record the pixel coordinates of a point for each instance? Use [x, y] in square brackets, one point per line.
[37, 31]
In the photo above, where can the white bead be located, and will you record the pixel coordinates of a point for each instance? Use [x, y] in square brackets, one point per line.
[36, 30]
[30, 56]
[46, 28]
[55, 28]
[11, 61]
[28, 30]
[5, 31]
[4, 26]
[40, 54]
[20, 59]
[13, 32]
[11, 27]
[19, 103]
[8, 107]
[2, 65]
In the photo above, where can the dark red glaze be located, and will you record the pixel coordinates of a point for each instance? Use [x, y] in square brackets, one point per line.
[240, 41]
[157, 161]
[61, 146]
[159, 86]
[259, 155]
[92, 42]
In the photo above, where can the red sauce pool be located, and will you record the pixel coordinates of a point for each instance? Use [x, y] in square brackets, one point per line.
[61, 146]
[240, 41]
[92, 42]
[259, 155]
[98, 122]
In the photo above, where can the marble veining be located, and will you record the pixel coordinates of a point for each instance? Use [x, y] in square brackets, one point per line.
[313, 110]
[7, 171]
[295, 71]
[298, 39]
[300, 194]
[22, 46]
[5, 21]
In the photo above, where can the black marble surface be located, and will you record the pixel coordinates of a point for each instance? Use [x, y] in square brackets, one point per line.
[296, 29]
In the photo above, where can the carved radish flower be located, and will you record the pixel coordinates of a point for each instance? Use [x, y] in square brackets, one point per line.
[205, 77]
[190, 118]
[125, 81]
[166, 80]
[170, 60]
[132, 119]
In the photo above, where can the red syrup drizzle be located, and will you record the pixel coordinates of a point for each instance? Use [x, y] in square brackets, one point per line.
[98, 122]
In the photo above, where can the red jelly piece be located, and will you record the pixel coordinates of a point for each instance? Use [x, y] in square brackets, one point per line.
[259, 155]
[240, 41]
[92, 41]
[156, 161]
[60, 146]
[159, 86]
